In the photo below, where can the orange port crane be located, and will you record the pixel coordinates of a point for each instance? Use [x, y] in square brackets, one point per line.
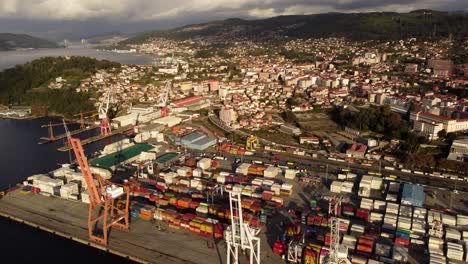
[108, 202]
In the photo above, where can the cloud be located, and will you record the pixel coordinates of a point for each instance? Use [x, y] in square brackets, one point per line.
[65, 18]
[139, 10]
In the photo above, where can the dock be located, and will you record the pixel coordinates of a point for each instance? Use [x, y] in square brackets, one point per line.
[98, 137]
[144, 243]
[45, 140]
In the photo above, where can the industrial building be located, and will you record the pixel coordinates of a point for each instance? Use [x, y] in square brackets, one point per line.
[198, 141]
[127, 155]
[169, 121]
[192, 103]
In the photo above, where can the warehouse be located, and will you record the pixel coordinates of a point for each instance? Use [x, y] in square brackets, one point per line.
[127, 155]
[169, 121]
[197, 140]
[125, 120]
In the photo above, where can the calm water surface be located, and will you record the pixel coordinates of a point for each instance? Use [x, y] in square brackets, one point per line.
[9, 59]
[20, 157]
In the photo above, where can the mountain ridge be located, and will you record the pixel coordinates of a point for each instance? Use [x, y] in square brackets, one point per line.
[10, 41]
[357, 26]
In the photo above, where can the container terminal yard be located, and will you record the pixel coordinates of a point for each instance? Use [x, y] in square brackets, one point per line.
[174, 192]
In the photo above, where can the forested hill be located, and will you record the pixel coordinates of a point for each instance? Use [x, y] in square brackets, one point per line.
[28, 84]
[10, 41]
[357, 26]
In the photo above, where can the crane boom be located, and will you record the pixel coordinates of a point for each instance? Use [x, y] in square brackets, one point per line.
[103, 110]
[111, 199]
[164, 98]
[82, 161]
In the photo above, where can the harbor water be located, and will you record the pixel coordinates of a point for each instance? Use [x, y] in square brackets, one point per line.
[21, 157]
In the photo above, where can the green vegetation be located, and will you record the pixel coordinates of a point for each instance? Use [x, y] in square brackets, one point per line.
[381, 120]
[423, 24]
[27, 84]
[10, 41]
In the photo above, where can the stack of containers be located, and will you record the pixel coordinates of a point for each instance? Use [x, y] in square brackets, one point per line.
[455, 251]
[436, 246]
[391, 197]
[462, 220]
[357, 230]
[347, 211]
[68, 189]
[271, 172]
[197, 172]
[46, 184]
[312, 254]
[390, 219]
[85, 197]
[449, 220]
[341, 176]
[146, 212]
[437, 259]
[257, 182]
[286, 189]
[380, 205]
[57, 190]
[275, 188]
[400, 253]
[202, 209]
[376, 183]
[359, 259]
[402, 237]
[362, 214]
[204, 163]
[350, 176]
[256, 170]
[383, 249]
[376, 217]
[290, 174]
[349, 241]
[336, 186]
[365, 245]
[365, 186]
[184, 171]
[451, 233]
[367, 203]
[347, 187]
[394, 187]
[243, 169]
[419, 220]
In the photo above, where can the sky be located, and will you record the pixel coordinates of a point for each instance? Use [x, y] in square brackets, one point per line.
[56, 19]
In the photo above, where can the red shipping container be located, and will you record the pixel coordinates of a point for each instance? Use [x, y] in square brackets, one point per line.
[402, 242]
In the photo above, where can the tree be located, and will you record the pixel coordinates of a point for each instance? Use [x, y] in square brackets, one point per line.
[442, 134]
[280, 80]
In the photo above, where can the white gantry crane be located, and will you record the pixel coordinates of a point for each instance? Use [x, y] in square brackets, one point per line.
[239, 235]
[164, 98]
[338, 254]
[103, 110]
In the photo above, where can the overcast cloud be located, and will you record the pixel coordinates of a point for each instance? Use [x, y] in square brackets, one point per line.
[49, 17]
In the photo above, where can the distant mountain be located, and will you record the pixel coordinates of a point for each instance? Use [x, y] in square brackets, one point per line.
[357, 26]
[10, 41]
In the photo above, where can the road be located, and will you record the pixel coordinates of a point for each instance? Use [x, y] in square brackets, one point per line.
[304, 161]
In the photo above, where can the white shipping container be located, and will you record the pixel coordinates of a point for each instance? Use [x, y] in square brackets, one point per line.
[379, 205]
[271, 172]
